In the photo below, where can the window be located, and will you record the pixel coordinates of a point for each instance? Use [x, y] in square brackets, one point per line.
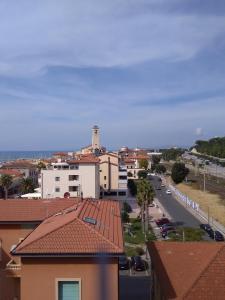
[68, 290]
[104, 185]
[74, 167]
[57, 178]
[104, 177]
[122, 177]
[57, 189]
[73, 188]
[110, 193]
[73, 177]
[122, 193]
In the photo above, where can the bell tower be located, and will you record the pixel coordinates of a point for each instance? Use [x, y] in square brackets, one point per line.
[95, 138]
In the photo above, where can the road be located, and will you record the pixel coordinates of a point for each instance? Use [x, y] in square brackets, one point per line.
[177, 212]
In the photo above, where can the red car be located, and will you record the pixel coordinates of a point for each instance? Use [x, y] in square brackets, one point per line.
[162, 221]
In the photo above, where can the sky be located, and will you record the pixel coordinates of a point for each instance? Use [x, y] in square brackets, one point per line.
[149, 73]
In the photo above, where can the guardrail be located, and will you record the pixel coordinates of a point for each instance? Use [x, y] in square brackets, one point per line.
[194, 208]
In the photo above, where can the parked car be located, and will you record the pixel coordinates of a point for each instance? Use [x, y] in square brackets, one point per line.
[167, 227]
[162, 185]
[158, 188]
[137, 263]
[168, 192]
[216, 235]
[167, 233]
[162, 221]
[124, 263]
[206, 227]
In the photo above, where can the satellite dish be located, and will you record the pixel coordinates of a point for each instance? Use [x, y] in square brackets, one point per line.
[66, 195]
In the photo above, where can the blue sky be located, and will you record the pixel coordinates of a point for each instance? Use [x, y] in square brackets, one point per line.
[150, 73]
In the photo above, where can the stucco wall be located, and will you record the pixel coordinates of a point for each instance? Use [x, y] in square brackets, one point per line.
[88, 182]
[10, 235]
[39, 277]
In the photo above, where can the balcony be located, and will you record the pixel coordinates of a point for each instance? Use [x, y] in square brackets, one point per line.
[13, 269]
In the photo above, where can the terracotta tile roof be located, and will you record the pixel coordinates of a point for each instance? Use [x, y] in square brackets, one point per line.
[19, 164]
[84, 159]
[20, 210]
[14, 173]
[190, 270]
[128, 161]
[60, 154]
[69, 233]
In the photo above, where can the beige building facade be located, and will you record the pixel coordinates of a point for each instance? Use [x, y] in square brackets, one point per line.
[72, 178]
[113, 177]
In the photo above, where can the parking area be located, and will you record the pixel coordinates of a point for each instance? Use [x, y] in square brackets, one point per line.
[134, 287]
[132, 273]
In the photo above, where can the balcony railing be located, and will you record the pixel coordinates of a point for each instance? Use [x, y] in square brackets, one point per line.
[12, 266]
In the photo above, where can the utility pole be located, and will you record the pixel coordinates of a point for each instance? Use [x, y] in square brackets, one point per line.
[204, 173]
[208, 216]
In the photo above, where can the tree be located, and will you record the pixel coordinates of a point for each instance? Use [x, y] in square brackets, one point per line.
[179, 172]
[129, 174]
[143, 164]
[145, 196]
[6, 181]
[156, 159]
[127, 207]
[132, 187]
[41, 165]
[160, 169]
[27, 185]
[125, 217]
[142, 174]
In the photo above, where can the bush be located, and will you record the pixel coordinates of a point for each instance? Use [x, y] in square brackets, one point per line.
[139, 251]
[160, 169]
[127, 208]
[125, 217]
[142, 174]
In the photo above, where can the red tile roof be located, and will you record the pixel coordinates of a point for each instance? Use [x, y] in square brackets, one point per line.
[60, 154]
[84, 159]
[69, 233]
[190, 270]
[14, 173]
[20, 210]
[19, 164]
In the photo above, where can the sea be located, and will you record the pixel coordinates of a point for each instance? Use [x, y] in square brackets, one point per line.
[13, 155]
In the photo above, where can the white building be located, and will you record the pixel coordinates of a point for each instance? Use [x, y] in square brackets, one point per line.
[74, 178]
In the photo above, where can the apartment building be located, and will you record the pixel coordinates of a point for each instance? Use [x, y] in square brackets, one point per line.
[132, 164]
[72, 178]
[26, 167]
[60, 249]
[113, 176]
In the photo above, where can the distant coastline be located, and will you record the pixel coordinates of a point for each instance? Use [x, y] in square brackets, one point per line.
[13, 155]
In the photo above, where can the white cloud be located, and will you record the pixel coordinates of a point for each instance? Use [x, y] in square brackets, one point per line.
[199, 131]
[97, 33]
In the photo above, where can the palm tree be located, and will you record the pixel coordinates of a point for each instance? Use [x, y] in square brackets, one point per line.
[6, 181]
[145, 196]
[41, 165]
[27, 185]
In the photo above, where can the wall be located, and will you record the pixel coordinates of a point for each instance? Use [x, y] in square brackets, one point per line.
[39, 277]
[10, 235]
[88, 182]
[109, 169]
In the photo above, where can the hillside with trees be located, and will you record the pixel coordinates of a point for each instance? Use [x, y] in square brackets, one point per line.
[213, 147]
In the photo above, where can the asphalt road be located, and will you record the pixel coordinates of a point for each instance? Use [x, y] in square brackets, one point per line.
[177, 212]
